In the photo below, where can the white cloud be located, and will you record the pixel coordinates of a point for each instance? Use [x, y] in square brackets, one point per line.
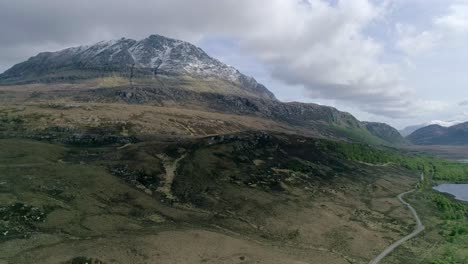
[311, 43]
[448, 30]
[323, 48]
[413, 42]
[456, 21]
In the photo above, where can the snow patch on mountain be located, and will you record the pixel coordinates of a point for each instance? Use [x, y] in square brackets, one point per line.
[162, 54]
[444, 123]
[154, 55]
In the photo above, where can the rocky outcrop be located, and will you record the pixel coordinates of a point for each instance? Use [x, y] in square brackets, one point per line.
[294, 113]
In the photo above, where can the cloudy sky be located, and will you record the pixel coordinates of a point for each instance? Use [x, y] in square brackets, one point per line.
[398, 61]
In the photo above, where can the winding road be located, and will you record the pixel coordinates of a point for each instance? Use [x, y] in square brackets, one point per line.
[419, 228]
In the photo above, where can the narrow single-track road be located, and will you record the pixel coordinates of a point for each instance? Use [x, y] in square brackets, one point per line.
[419, 229]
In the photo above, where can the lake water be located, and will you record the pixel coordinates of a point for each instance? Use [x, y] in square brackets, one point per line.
[460, 191]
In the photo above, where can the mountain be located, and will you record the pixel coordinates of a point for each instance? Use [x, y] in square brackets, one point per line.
[175, 74]
[385, 132]
[128, 162]
[135, 60]
[410, 129]
[439, 135]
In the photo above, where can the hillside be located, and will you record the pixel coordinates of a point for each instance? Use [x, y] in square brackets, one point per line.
[385, 132]
[265, 197]
[438, 135]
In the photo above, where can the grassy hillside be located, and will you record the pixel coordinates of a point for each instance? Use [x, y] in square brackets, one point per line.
[359, 135]
[291, 193]
[385, 132]
[281, 191]
[171, 106]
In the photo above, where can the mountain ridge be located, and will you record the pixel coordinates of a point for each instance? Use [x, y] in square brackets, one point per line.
[165, 72]
[439, 135]
[410, 129]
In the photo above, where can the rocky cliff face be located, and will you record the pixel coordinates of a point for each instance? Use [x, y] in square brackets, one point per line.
[293, 113]
[148, 58]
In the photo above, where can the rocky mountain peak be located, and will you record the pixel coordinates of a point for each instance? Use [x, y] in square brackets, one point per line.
[149, 57]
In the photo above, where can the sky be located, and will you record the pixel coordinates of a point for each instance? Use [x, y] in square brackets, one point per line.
[402, 62]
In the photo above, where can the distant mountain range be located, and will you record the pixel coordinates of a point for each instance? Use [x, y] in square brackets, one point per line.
[410, 129]
[173, 73]
[439, 135]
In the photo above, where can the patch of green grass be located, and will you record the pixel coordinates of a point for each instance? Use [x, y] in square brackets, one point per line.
[441, 170]
[359, 135]
[18, 151]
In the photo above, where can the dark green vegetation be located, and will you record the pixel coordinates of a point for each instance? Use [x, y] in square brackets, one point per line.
[450, 210]
[442, 170]
[271, 163]
[18, 219]
[438, 135]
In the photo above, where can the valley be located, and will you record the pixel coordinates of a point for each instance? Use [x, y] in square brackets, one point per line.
[83, 200]
[151, 151]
